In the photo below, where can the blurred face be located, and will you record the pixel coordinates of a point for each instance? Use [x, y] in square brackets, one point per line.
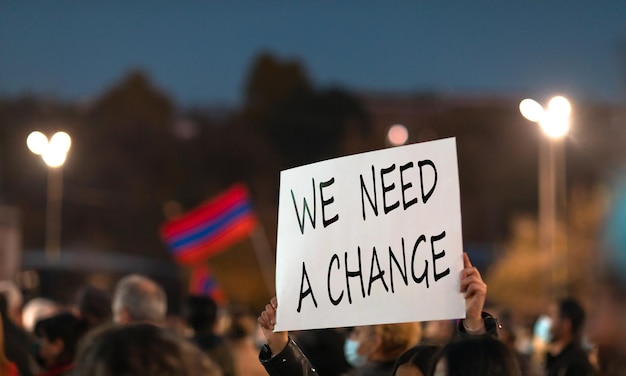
[556, 326]
[364, 335]
[49, 350]
[408, 370]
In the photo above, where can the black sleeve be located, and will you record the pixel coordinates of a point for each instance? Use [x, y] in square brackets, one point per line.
[289, 362]
[490, 322]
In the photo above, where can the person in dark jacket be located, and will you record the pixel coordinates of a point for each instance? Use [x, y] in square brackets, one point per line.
[201, 313]
[325, 349]
[17, 342]
[565, 356]
[58, 338]
[281, 356]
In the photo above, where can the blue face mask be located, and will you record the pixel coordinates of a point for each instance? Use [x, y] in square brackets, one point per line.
[350, 348]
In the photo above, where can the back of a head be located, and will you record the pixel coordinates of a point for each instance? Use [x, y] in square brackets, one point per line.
[94, 305]
[201, 313]
[477, 356]
[140, 349]
[243, 324]
[397, 338]
[571, 310]
[138, 298]
[37, 309]
[66, 327]
[420, 356]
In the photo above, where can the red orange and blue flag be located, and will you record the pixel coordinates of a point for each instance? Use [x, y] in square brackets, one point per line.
[211, 227]
[202, 282]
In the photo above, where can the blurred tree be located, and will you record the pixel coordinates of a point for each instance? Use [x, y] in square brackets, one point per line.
[309, 126]
[127, 154]
[521, 279]
[269, 82]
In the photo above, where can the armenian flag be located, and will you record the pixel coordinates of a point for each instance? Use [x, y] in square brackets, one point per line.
[211, 227]
[202, 282]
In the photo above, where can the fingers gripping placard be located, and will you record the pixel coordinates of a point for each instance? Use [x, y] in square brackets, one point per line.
[370, 238]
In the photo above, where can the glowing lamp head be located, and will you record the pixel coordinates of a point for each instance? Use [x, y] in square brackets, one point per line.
[53, 151]
[554, 120]
[61, 141]
[37, 142]
[531, 110]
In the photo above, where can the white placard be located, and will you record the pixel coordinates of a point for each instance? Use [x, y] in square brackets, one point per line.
[371, 238]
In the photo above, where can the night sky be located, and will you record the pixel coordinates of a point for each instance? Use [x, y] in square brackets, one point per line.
[200, 52]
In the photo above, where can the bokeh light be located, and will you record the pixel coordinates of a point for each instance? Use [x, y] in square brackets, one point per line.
[37, 142]
[554, 120]
[397, 135]
[531, 110]
[61, 141]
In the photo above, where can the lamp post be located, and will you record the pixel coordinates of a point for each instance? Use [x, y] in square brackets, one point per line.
[554, 122]
[53, 152]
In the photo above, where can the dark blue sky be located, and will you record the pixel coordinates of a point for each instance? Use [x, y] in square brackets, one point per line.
[200, 51]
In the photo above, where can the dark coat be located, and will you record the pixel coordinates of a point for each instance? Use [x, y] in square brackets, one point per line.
[290, 361]
[17, 347]
[572, 361]
[215, 347]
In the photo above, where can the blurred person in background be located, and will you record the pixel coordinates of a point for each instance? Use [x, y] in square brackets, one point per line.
[374, 349]
[475, 356]
[566, 356]
[325, 349]
[57, 341]
[13, 301]
[138, 299]
[201, 314]
[94, 306]
[370, 347]
[7, 367]
[440, 331]
[140, 349]
[17, 342]
[37, 309]
[416, 361]
[607, 322]
[508, 336]
[241, 340]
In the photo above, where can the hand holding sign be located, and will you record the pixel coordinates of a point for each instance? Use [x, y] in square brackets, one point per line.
[267, 320]
[371, 238]
[475, 294]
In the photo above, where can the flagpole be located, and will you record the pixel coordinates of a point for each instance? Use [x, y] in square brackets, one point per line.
[264, 256]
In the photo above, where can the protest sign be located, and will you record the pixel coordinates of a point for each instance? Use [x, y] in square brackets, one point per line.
[370, 238]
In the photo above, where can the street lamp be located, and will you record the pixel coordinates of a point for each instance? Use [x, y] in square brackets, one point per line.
[53, 152]
[554, 122]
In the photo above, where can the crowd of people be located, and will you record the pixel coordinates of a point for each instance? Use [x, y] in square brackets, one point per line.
[127, 332]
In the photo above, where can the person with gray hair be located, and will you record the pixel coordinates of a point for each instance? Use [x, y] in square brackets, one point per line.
[138, 298]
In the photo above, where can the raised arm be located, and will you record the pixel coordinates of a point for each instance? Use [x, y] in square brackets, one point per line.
[281, 356]
[267, 320]
[476, 321]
